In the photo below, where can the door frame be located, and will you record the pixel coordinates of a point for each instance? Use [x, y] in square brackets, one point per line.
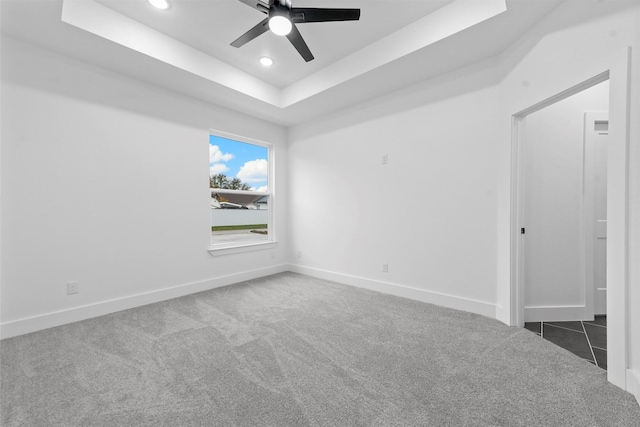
[617, 208]
[589, 231]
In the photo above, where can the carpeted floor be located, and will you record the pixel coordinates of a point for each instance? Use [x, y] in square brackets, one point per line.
[289, 350]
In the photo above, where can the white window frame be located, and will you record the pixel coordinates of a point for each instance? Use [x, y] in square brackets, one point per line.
[247, 246]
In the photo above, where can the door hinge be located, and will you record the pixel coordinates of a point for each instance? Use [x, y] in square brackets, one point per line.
[522, 230]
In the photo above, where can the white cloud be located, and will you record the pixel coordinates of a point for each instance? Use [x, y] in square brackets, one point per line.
[254, 171]
[262, 189]
[215, 155]
[218, 168]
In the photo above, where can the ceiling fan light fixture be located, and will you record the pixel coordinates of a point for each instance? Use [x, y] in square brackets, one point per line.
[280, 25]
[160, 4]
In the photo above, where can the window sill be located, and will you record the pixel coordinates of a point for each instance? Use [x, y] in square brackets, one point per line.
[220, 250]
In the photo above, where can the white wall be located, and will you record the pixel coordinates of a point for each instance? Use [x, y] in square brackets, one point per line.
[105, 182]
[553, 174]
[429, 213]
[634, 220]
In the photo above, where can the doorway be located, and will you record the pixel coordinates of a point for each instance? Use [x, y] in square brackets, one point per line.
[564, 219]
[617, 70]
[563, 189]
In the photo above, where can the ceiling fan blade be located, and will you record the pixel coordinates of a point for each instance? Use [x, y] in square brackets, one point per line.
[256, 31]
[298, 42]
[313, 14]
[261, 5]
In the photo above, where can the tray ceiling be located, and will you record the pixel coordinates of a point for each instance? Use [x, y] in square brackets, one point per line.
[186, 49]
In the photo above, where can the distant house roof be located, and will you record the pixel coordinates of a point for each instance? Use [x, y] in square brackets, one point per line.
[242, 198]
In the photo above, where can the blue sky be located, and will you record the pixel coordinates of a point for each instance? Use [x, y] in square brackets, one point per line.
[239, 160]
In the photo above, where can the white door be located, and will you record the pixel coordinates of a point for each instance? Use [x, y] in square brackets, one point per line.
[554, 288]
[596, 138]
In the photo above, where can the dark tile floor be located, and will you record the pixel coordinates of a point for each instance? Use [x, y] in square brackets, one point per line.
[587, 339]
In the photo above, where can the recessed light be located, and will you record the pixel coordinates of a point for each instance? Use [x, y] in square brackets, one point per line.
[266, 61]
[160, 4]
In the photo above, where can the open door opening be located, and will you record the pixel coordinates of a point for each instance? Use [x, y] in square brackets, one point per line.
[563, 211]
[617, 72]
[563, 194]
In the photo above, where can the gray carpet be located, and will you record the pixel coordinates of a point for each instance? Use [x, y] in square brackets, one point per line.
[289, 350]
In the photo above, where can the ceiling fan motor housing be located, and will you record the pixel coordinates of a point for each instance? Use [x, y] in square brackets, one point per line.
[277, 10]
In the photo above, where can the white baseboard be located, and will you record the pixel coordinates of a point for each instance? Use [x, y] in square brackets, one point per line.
[444, 300]
[633, 384]
[50, 320]
[504, 315]
[563, 313]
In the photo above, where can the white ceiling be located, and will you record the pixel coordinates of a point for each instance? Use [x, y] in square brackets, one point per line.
[396, 43]
[210, 26]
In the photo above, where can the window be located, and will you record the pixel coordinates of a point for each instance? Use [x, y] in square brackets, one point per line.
[241, 193]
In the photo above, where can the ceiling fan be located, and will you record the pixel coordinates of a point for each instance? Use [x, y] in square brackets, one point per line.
[282, 17]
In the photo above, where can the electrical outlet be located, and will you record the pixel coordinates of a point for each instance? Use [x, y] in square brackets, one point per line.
[299, 254]
[385, 267]
[385, 159]
[73, 288]
[273, 254]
